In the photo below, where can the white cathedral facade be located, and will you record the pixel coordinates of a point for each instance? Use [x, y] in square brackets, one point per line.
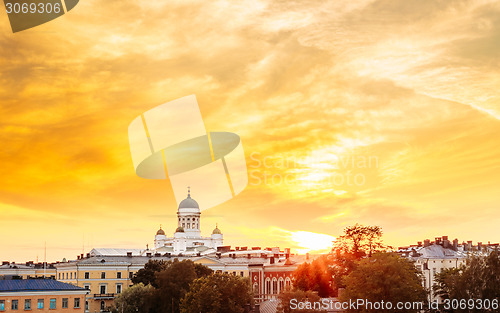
[187, 239]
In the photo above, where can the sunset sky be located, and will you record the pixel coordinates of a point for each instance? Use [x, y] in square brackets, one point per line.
[401, 95]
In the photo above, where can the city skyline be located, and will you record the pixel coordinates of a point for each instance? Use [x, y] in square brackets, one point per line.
[348, 113]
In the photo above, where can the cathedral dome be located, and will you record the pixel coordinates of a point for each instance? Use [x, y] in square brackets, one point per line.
[160, 232]
[189, 203]
[216, 231]
[179, 230]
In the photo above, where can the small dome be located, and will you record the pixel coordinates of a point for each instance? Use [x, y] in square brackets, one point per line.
[179, 230]
[189, 203]
[160, 232]
[216, 231]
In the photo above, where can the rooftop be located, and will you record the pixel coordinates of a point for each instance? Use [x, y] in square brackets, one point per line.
[35, 285]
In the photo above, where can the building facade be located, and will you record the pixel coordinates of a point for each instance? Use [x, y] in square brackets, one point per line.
[40, 295]
[187, 239]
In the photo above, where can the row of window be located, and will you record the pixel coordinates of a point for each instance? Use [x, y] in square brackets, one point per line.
[104, 287]
[87, 275]
[40, 304]
[274, 287]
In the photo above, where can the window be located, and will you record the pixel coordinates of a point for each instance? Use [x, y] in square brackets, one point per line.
[103, 275]
[118, 288]
[77, 303]
[39, 304]
[119, 275]
[15, 305]
[65, 303]
[241, 274]
[86, 286]
[86, 305]
[66, 275]
[52, 304]
[2, 305]
[103, 305]
[27, 304]
[130, 275]
[102, 289]
[87, 275]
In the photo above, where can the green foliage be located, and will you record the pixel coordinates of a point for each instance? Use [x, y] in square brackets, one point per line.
[173, 283]
[286, 297]
[384, 277]
[341, 265]
[147, 275]
[202, 270]
[136, 299]
[219, 293]
[479, 279]
[315, 276]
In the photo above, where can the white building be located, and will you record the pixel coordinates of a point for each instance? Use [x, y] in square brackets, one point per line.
[187, 239]
[432, 257]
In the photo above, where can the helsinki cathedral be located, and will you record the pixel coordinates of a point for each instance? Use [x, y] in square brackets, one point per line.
[187, 238]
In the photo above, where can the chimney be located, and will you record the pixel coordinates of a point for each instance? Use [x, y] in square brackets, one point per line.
[88, 255]
[438, 240]
[419, 244]
[455, 244]
[427, 242]
[5, 263]
[307, 256]
[469, 245]
[479, 246]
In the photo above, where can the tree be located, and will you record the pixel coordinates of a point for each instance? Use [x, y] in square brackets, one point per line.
[202, 271]
[384, 277]
[136, 299]
[315, 276]
[478, 279]
[360, 240]
[219, 293]
[290, 299]
[147, 275]
[173, 283]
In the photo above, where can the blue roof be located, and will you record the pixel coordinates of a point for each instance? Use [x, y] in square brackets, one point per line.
[18, 285]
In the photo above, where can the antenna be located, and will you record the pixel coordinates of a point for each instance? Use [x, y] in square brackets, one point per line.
[45, 260]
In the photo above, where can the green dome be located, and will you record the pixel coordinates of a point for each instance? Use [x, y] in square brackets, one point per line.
[216, 231]
[189, 203]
